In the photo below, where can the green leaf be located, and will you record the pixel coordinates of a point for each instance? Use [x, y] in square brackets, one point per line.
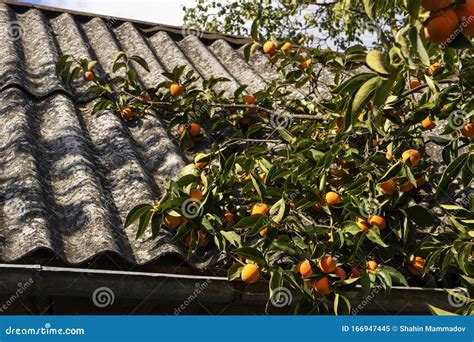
[156, 223]
[420, 215]
[374, 236]
[451, 173]
[285, 135]
[249, 221]
[363, 96]
[232, 237]
[143, 224]
[234, 272]
[141, 62]
[256, 186]
[280, 207]
[136, 213]
[185, 180]
[61, 64]
[370, 7]
[254, 30]
[345, 308]
[91, 65]
[251, 253]
[440, 312]
[384, 275]
[377, 61]
[392, 172]
[397, 277]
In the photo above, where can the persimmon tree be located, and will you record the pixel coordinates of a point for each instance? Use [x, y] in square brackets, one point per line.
[328, 190]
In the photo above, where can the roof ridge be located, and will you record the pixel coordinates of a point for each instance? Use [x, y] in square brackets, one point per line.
[153, 27]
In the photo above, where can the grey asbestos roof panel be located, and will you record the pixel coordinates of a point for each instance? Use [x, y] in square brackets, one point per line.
[67, 178]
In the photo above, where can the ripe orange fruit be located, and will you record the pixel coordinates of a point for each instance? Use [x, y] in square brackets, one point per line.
[249, 99]
[195, 194]
[372, 265]
[355, 273]
[420, 181]
[287, 46]
[228, 217]
[468, 130]
[250, 273]
[128, 113]
[317, 207]
[441, 26]
[340, 272]
[433, 67]
[176, 90]
[464, 12]
[260, 209]
[173, 222]
[263, 232]
[336, 172]
[388, 187]
[305, 64]
[414, 84]
[431, 5]
[412, 156]
[332, 198]
[181, 129]
[261, 177]
[269, 48]
[201, 238]
[388, 156]
[378, 221]
[327, 264]
[363, 225]
[339, 124]
[405, 187]
[195, 130]
[145, 96]
[189, 144]
[322, 286]
[89, 76]
[305, 268]
[428, 124]
[416, 266]
[198, 160]
[292, 204]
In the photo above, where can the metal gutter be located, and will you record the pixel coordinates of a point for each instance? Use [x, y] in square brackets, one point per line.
[170, 290]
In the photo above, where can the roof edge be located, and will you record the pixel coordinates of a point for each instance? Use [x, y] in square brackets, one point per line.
[152, 26]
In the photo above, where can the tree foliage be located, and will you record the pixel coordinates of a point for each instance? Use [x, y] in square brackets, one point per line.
[334, 173]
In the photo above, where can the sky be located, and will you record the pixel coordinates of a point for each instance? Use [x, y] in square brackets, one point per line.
[156, 11]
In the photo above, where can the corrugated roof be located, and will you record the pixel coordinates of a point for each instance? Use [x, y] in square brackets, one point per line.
[67, 178]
